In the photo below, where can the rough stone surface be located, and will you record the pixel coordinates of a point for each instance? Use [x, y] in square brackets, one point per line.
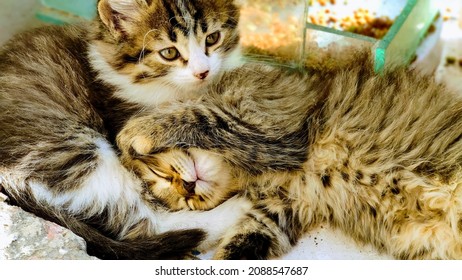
[24, 236]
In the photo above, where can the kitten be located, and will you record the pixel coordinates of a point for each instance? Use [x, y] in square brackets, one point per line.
[65, 92]
[377, 156]
[201, 180]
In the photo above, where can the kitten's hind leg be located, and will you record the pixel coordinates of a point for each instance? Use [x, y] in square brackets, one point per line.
[273, 226]
[255, 238]
[427, 239]
[217, 222]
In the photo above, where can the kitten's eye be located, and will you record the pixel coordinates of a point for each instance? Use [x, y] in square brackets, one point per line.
[212, 39]
[169, 54]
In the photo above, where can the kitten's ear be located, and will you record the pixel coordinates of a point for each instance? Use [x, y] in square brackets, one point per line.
[121, 15]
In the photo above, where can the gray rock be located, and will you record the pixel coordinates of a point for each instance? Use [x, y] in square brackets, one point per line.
[24, 236]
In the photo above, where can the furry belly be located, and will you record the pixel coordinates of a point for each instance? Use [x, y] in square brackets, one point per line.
[397, 210]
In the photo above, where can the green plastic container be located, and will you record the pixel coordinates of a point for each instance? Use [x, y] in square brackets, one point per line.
[66, 11]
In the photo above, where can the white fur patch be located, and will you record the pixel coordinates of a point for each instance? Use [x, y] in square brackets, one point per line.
[216, 222]
[198, 62]
[110, 183]
[233, 59]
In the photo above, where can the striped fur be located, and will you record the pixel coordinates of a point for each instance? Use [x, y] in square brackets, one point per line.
[65, 92]
[379, 157]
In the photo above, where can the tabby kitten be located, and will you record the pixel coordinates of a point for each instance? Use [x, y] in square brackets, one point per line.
[65, 92]
[379, 157]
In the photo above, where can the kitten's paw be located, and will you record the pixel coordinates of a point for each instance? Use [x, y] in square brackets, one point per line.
[245, 246]
[141, 145]
[257, 237]
[145, 135]
[223, 219]
[134, 140]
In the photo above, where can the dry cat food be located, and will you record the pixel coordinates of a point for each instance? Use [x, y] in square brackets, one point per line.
[361, 21]
[271, 27]
[279, 32]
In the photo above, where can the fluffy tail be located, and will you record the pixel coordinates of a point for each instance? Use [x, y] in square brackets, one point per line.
[168, 245]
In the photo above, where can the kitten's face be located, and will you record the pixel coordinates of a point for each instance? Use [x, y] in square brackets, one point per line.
[181, 45]
[195, 180]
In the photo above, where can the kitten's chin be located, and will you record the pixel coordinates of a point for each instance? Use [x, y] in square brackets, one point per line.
[194, 85]
[201, 84]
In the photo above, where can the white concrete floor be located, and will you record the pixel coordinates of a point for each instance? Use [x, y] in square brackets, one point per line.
[323, 243]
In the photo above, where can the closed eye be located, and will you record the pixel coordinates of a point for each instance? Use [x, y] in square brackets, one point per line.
[160, 175]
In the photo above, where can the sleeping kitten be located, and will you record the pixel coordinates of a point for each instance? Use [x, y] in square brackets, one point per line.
[379, 157]
[66, 91]
[201, 180]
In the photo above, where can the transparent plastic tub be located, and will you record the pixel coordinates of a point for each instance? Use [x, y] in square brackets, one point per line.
[273, 30]
[411, 22]
[281, 31]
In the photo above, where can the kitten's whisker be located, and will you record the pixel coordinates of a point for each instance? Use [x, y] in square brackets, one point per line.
[143, 49]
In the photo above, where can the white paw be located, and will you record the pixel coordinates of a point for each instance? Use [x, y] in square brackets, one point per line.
[224, 218]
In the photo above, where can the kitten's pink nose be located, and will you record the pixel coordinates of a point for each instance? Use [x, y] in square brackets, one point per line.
[202, 76]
